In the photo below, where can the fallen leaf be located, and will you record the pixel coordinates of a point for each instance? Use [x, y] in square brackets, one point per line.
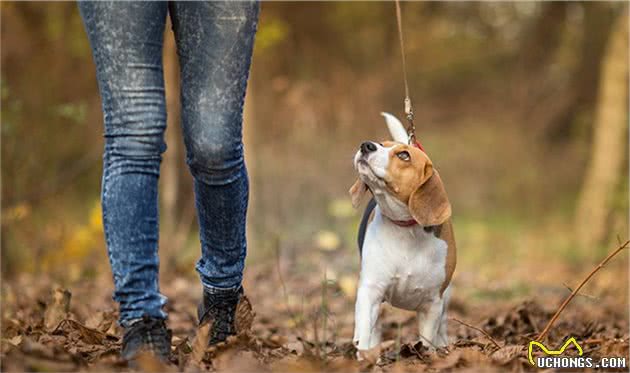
[473, 357]
[244, 316]
[506, 354]
[15, 341]
[200, 343]
[148, 362]
[370, 356]
[447, 362]
[94, 320]
[87, 335]
[236, 361]
[58, 308]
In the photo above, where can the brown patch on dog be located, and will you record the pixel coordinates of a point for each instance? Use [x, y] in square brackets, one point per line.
[405, 176]
[357, 192]
[414, 182]
[429, 204]
[446, 233]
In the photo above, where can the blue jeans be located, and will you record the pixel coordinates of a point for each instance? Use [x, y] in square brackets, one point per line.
[214, 44]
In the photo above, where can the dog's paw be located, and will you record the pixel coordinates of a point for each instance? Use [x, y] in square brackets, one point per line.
[369, 357]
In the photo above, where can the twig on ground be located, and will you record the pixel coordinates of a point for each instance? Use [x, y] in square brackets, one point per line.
[479, 330]
[583, 295]
[564, 304]
[324, 311]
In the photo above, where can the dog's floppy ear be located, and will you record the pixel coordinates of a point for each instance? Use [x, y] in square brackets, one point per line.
[429, 203]
[357, 192]
[396, 128]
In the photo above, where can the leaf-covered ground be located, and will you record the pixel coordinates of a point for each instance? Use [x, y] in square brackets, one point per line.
[299, 325]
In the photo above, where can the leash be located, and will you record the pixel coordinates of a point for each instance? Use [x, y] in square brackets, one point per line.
[411, 130]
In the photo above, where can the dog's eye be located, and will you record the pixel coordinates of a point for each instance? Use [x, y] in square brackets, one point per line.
[404, 155]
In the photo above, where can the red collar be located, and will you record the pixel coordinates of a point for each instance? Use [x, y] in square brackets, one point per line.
[404, 223]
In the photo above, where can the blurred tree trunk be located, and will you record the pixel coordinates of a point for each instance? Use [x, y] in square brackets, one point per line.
[542, 37]
[169, 176]
[609, 139]
[598, 18]
[532, 79]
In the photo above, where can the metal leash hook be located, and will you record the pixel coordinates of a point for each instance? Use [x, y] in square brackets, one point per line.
[411, 130]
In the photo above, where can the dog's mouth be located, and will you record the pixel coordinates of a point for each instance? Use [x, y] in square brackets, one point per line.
[368, 174]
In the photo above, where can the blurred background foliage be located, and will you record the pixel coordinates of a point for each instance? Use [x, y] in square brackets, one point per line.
[521, 105]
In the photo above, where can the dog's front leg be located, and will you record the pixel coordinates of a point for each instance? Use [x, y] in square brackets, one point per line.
[366, 333]
[430, 321]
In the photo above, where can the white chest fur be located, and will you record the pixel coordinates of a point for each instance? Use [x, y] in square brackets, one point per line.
[404, 264]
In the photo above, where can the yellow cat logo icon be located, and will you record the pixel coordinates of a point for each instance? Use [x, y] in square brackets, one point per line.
[552, 352]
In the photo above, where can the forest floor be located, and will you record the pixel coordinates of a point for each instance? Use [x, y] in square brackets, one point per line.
[302, 325]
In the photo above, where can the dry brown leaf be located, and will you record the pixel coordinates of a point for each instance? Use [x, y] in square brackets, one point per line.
[237, 361]
[341, 364]
[200, 343]
[38, 364]
[244, 315]
[506, 354]
[448, 361]
[473, 357]
[404, 366]
[94, 320]
[87, 335]
[370, 356]
[57, 309]
[291, 363]
[15, 341]
[148, 362]
[274, 341]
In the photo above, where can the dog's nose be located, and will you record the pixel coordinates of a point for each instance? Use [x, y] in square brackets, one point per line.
[368, 147]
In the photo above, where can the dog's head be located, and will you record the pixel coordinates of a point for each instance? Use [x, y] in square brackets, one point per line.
[401, 177]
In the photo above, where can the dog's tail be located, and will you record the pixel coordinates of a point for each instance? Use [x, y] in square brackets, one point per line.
[364, 222]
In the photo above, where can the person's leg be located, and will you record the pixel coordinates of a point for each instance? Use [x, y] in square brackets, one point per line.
[214, 44]
[126, 40]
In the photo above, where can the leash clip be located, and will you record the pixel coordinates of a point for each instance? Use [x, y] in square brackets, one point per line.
[411, 130]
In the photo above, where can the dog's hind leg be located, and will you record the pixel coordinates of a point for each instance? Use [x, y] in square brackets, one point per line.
[442, 336]
[429, 321]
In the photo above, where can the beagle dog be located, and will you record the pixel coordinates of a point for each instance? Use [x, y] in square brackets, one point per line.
[405, 238]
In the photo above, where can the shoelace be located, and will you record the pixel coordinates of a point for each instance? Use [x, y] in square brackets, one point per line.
[150, 334]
